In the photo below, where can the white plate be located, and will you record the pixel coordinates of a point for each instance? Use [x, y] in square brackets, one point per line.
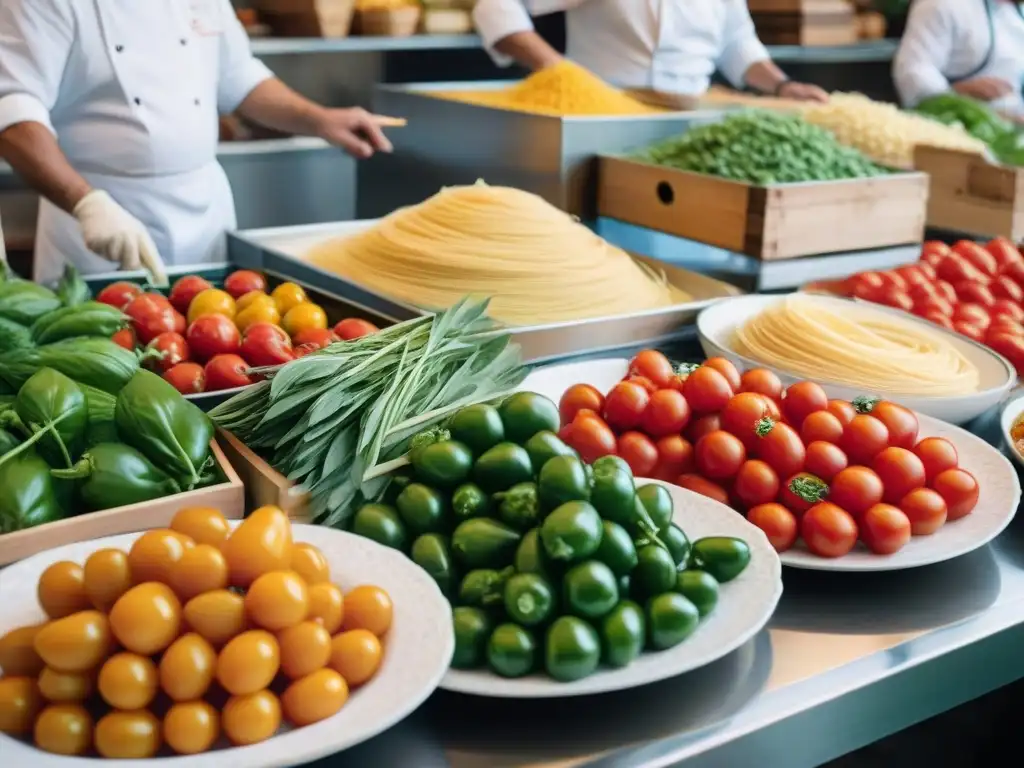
[417, 651]
[1011, 412]
[716, 327]
[997, 502]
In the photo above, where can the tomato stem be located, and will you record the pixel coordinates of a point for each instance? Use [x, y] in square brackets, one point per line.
[685, 369]
[763, 426]
[865, 403]
[809, 488]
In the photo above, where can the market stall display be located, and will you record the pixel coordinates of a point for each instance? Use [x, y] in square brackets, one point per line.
[304, 663]
[1004, 139]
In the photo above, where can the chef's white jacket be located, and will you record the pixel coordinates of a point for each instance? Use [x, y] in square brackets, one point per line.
[132, 90]
[672, 46]
[947, 40]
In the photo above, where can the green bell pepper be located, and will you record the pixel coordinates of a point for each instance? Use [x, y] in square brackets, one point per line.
[49, 401]
[8, 442]
[115, 475]
[28, 497]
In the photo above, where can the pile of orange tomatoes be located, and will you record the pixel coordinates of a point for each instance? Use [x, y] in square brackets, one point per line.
[796, 463]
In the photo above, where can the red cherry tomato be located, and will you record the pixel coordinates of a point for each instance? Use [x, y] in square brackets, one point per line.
[864, 438]
[1010, 346]
[639, 452]
[675, 457]
[185, 289]
[855, 489]
[901, 422]
[1003, 325]
[187, 378]
[707, 390]
[762, 381]
[1006, 288]
[885, 529]
[225, 371]
[921, 291]
[801, 400]
[825, 460]
[977, 256]
[727, 369]
[932, 258]
[782, 448]
[912, 274]
[124, 338]
[591, 437]
[718, 456]
[821, 425]
[925, 509]
[868, 280]
[975, 314]
[354, 328]
[971, 292]
[802, 491]
[937, 455]
[945, 290]
[644, 382]
[971, 331]
[701, 426]
[119, 294]
[935, 246]
[704, 487]
[169, 349]
[265, 344]
[212, 335]
[1007, 308]
[867, 291]
[743, 413]
[927, 270]
[954, 268]
[667, 413]
[318, 337]
[939, 319]
[932, 304]
[828, 530]
[301, 350]
[778, 524]
[960, 491]
[1004, 252]
[576, 398]
[243, 281]
[625, 405]
[652, 365]
[895, 297]
[755, 483]
[843, 410]
[900, 471]
[151, 314]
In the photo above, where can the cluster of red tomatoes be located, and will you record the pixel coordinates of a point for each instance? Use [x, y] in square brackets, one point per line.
[975, 290]
[798, 464]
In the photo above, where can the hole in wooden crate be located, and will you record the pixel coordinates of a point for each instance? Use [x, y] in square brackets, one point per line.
[665, 192]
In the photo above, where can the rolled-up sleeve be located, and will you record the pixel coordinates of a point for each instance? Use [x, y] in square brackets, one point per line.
[240, 71]
[924, 53]
[35, 43]
[741, 47]
[497, 19]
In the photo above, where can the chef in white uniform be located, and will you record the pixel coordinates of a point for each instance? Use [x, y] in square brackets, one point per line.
[109, 108]
[671, 46]
[974, 47]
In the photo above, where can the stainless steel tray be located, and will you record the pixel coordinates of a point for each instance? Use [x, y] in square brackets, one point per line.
[279, 252]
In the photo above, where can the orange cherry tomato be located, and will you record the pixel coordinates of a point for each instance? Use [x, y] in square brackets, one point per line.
[315, 697]
[305, 648]
[216, 616]
[108, 575]
[187, 667]
[61, 590]
[18, 657]
[64, 729]
[20, 704]
[154, 553]
[146, 618]
[356, 655]
[128, 681]
[251, 718]
[204, 525]
[248, 663]
[368, 607]
[191, 727]
[201, 569]
[326, 606]
[277, 600]
[134, 735]
[261, 544]
[828, 530]
[925, 509]
[66, 687]
[309, 562]
[76, 643]
[777, 522]
[885, 529]
[960, 491]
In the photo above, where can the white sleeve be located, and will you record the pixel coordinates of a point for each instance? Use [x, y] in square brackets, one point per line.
[924, 52]
[497, 19]
[240, 71]
[741, 47]
[35, 43]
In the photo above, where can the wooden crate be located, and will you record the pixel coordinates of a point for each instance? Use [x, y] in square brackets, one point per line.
[228, 497]
[970, 194]
[307, 18]
[768, 222]
[263, 484]
[805, 22]
[807, 7]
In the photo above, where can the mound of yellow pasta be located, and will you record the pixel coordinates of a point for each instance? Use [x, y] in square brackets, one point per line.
[536, 262]
[857, 346]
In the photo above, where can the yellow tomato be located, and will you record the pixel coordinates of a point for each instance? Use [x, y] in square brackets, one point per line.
[187, 667]
[309, 562]
[216, 616]
[252, 298]
[128, 681]
[64, 729]
[66, 687]
[128, 735]
[204, 525]
[153, 555]
[146, 619]
[277, 600]
[20, 703]
[201, 569]
[369, 608]
[248, 663]
[303, 317]
[61, 590]
[326, 606]
[76, 643]
[18, 657]
[108, 575]
[356, 655]
[288, 295]
[257, 313]
[191, 727]
[261, 544]
[305, 648]
[251, 718]
[315, 697]
[212, 301]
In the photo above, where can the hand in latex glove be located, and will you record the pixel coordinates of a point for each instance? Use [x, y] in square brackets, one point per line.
[113, 233]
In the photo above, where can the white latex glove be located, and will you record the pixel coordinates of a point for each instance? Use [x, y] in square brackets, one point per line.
[113, 233]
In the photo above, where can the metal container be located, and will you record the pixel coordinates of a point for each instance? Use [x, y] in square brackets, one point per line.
[449, 142]
[279, 253]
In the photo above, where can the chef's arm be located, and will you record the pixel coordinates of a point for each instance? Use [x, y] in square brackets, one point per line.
[32, 151]
[528, 49]
[764, 76]
[923, 53]
[508, 34]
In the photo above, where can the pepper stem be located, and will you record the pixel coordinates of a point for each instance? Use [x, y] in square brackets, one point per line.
[35, 438]
[81, 469]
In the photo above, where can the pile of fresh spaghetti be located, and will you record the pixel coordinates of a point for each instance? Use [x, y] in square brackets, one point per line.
[536, 262]
[857, 346]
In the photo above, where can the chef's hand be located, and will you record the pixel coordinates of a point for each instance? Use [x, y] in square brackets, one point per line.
[355, 130]
[801, 92]
[983, 88]
[113, 233]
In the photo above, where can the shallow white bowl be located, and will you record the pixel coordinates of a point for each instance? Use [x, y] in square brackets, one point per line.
[717, 325]
[1011, 412]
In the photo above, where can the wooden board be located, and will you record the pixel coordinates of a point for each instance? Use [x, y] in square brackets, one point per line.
[263, 484]
[228, 497]
[307, 18]
[776, 222]
[970, 194]
[808, 27]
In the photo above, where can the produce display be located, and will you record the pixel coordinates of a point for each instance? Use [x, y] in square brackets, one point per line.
[855, 345]
[1005, 139]
[969, 288]
[884, 132]
[203, 339]
[551, 564]
[537, 263]
[761, 147]
[194, 633]
[563, 89]
[797, 464]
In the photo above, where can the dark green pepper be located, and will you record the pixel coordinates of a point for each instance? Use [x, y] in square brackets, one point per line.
[469, 500]
[503, 466]
[511, 651]
[114, 475]
[381, 523]
[613, 493]
[658, 503]
[724, 557]
[524, 414]
[100, 405]
[432, 553]
[545, 446]
[518, 507]
[472, 629]
[562, 479]
[423, 509]
[153, 417]
[484, 587]
[477, 426]
[52, 402]
[25, 302]
[8, 442]
[28, 498]
[89, 319]
[442, 464]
